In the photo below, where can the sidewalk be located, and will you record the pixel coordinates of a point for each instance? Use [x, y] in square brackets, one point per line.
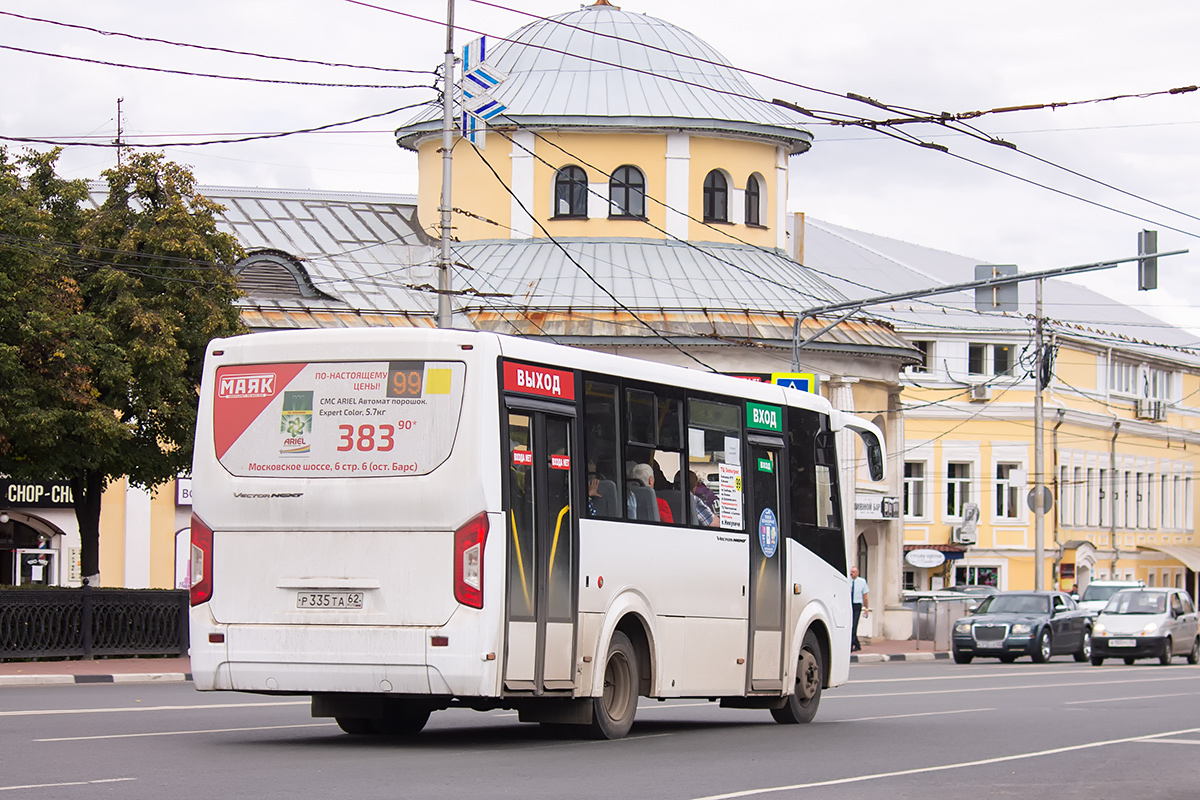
[101, 670]
[896, 650]
[169, 670]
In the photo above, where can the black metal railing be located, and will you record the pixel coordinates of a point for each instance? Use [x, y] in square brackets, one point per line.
[87, 622]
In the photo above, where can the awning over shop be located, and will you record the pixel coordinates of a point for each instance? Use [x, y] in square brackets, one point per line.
[1188, 556]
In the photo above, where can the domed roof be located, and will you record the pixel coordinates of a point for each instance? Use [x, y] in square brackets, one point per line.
[602, 67]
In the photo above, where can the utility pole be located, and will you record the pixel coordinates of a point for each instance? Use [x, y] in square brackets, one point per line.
[1039, 446]
[118, 142]
[443, 307]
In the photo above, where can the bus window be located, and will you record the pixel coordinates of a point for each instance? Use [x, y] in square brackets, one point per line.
[816, 512]
[648, 467]
[714, 447]
[601, 437]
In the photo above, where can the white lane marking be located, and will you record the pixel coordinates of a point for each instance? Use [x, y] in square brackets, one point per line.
[1125, 682]
[66, 783]
[121, 710]
[1119, 699]
[1173, 741]
[1013, 673]
[921, 714]
[184, 733]
[944, 767]
[646, 707]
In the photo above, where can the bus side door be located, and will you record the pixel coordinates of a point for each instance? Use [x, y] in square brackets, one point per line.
[763, 469]
[541, 536]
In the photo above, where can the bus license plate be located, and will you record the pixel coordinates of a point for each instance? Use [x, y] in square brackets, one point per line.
[1121, 643]
[332, 600]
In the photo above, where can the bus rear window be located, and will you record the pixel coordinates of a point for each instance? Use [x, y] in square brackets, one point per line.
[336, 419]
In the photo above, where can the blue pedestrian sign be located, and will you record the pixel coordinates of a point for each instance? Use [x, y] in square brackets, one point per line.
[804, 381]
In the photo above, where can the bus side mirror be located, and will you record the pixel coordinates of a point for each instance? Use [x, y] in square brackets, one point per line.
[874, 454]
[872, 440]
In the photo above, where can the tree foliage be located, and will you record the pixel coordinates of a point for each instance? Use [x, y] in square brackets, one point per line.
[113, 308]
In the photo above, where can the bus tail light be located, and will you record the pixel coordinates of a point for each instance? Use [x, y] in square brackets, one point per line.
[202, 562]
[468, 561]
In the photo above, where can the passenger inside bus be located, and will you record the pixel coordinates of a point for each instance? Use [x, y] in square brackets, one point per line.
[644, 473]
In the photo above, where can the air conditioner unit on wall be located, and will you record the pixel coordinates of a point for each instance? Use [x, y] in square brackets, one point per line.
[1155, 410]
[981, 391]
[963, 536]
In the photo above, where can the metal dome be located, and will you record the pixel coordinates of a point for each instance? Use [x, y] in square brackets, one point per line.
[602, 67]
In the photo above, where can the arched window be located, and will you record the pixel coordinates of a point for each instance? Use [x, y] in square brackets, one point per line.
[570, 193]
[860, 556]
[627, 193]
[716, 197]
[753, 201]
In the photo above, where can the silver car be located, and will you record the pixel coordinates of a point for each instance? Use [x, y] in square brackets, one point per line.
[1147, 623]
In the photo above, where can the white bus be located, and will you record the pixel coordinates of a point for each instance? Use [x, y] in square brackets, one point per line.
[400, 521]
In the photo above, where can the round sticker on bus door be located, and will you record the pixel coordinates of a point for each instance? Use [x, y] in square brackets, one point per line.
[768, 532]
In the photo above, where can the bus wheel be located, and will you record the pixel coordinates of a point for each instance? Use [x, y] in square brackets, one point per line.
[356, 726]
[402, 720]
[802, 703]
[613, 711]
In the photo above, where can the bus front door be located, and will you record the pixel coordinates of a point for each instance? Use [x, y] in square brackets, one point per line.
[767, 549]
[541, 536]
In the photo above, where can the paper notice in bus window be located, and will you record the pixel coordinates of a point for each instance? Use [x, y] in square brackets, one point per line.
[335, 420]
[729, 496]
[696, 443]
[733, 450]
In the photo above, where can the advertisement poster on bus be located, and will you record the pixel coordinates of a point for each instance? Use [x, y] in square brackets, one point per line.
[339, 419]
[729, 495]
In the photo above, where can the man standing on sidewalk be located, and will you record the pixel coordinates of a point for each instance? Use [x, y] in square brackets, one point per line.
[859, 604]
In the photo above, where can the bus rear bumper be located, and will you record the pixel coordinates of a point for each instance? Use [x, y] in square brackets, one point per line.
[367, 659]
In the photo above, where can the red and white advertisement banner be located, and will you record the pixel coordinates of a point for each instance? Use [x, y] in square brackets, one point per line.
[558, 384]
[337, 419]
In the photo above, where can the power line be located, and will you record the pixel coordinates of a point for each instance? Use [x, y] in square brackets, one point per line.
[239, 140]
[212, 49]
[209, 74]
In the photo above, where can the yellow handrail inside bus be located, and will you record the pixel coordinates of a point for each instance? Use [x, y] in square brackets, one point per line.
[520, 561]
[554, 545]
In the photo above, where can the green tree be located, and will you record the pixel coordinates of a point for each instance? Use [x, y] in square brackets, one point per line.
[151, 282]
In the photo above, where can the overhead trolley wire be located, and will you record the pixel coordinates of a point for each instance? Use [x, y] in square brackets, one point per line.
[226, 50]
[209, 74]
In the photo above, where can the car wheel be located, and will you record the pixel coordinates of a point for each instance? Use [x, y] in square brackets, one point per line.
[1194, 653]
[1007, 659]
[1129, 661]
[613, 711]
[1097, 661]
[962, 658]
[1164, 657]
[1085, 649]
[1041, 653]
[802, 703]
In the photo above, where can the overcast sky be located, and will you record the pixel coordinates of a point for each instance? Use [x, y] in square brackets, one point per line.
[936, 56]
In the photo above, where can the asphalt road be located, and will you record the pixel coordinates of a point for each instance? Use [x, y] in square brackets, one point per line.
[899, 730]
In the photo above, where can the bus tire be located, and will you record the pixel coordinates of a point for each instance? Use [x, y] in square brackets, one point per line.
[402, 720]
[802, 703]
[356, 726]
[614, 709]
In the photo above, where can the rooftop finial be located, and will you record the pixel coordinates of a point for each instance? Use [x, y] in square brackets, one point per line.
[606, 3]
